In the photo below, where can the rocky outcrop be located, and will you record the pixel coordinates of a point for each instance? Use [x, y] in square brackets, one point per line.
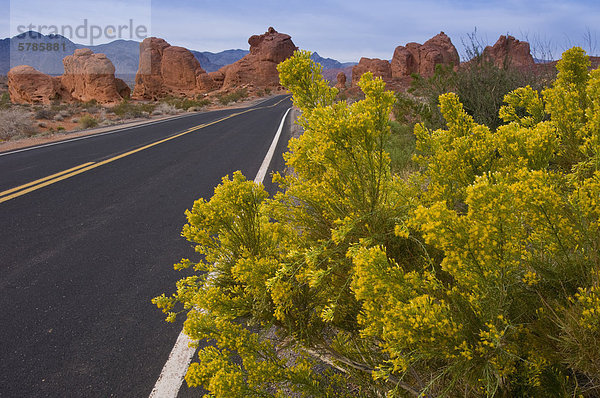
[423, 58]
[412, 58]
[27, 85]
[90, 76]
[259, 67]
[341, 81]
[378, 67]
[168, 70]
[87, 77]
[509, 51]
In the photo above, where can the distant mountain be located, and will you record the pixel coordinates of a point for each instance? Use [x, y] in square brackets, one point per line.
[214, 61]
[329, 63]
[46, 52]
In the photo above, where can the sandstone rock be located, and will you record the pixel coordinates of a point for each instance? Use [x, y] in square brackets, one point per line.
[509, 51]
[259, 67]
[26, 85]
[90, 76]
[422, 59]
[379, 68]
[168, 70]
[122, 88]
[341, 81]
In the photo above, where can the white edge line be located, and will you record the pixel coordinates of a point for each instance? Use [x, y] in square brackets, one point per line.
[262, 172]
[171, 377]
[118, 130]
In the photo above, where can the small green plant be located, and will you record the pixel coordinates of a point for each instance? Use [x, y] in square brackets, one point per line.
[234, 96]
[400, 145]
[88, 121]
[129, 110]
[5, 100]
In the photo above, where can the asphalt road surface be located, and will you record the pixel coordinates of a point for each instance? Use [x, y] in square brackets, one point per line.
[83, 252]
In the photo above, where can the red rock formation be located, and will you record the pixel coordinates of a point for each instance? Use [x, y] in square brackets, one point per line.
[259, 67]
[509, 51]
[90, 76]
[409, 59]
[379, 68]
[122, 88]
[87, 77]
[26, 85]
[422, 59]
[341, 81]
[168, 70]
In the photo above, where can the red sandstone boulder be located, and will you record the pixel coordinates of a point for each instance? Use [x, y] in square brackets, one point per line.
[168, 70]
[90, 76]
[341, 81]
[509, 51]
[122, 88]
[26, 85]
[259, 67]
[422, 59]
[379, 68]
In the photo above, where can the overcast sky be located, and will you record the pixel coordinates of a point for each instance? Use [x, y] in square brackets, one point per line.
[344, 30]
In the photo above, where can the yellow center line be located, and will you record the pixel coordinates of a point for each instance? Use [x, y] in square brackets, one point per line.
[63, 175]
[43, 179]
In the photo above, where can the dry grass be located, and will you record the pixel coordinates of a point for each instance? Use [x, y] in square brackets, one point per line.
[16, 122]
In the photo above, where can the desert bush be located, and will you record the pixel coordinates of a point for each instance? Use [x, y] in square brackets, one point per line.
[15, 122]
[129, 110]
[233, 96]
[480, 85]
[186, 103]
[88, 121]
[263, 92]
[400, 146]
[164, 109]
[5, 100]
[474, 274]
[44, 113]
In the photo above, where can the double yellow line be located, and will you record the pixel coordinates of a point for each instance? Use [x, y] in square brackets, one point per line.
[82, 168]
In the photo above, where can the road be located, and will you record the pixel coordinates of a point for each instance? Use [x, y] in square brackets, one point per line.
[84, 252]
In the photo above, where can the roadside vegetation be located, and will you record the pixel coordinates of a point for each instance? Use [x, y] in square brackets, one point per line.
[432, 256]
[234, 96]
[61, 117]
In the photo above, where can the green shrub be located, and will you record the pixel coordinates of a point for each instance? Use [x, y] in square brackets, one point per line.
[480, 85]
[5, 100]
[129, 110]
[401, 147]
[234, 96]
[88, 121]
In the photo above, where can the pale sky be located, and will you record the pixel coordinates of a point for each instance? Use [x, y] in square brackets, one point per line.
[344, 30]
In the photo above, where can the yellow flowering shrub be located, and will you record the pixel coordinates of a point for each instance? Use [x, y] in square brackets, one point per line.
[476, 275]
